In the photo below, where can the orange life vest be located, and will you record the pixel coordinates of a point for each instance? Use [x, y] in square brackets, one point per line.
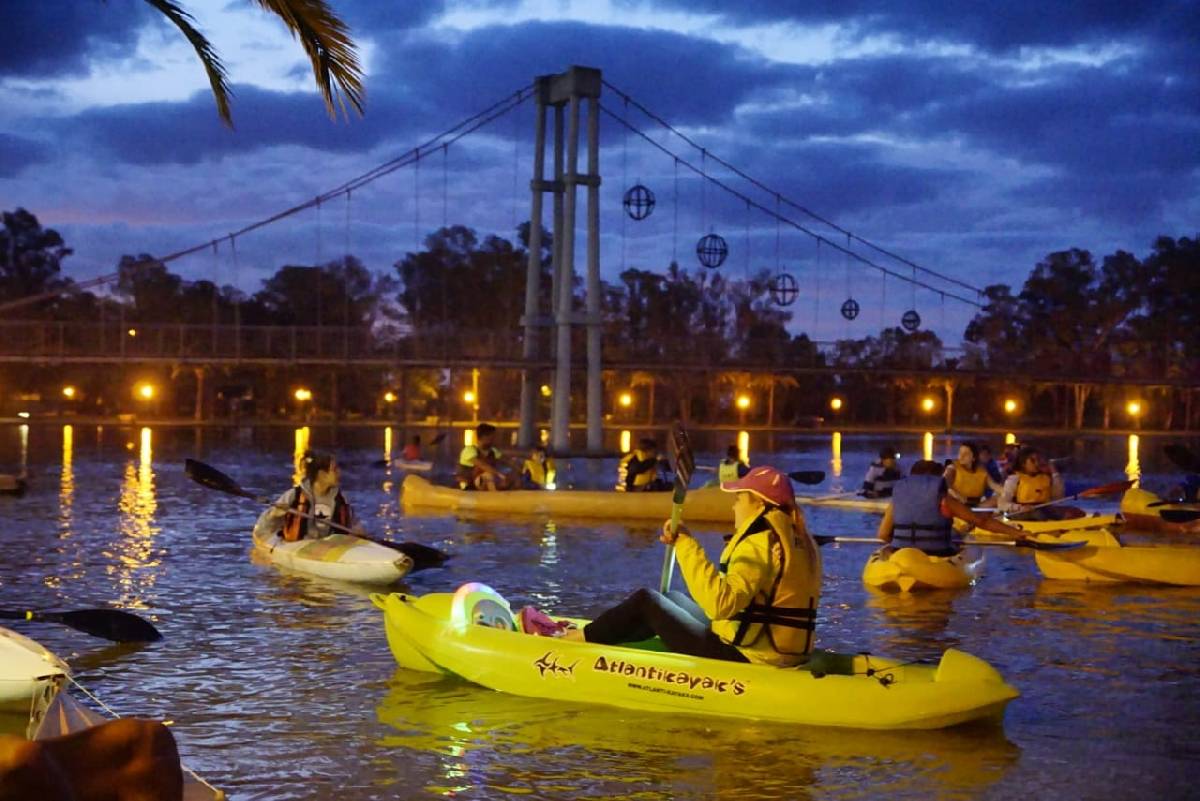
[295, 527]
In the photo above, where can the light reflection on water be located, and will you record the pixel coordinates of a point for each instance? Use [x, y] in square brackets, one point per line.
[282, 686]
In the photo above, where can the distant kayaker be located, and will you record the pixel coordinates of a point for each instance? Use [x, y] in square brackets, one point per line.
[921, 514]
[480, 464]
[539, 471]
[967, 479]
[318, 494]
[1034, 481]
[758, 604]
[732, 467]
[989, 463]
[412, 451]
[642, 469]
[882, 474]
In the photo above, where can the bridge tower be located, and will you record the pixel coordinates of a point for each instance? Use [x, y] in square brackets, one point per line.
[564, 93]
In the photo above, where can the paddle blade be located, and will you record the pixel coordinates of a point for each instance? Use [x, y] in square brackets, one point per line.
[807, 476]
[1183, 457]
[1179, 515]
[208, 476]
[438, 439]
[423, 556]
[1106, 489]
[108, 624]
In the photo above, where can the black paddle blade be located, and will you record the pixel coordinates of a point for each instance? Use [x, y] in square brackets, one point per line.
[1183, 457]
[208, 476]
[108, 624]
[807, 476]
[1179, 515]
[685, 460]
[381, 463]
[423, 556]
[438, 439]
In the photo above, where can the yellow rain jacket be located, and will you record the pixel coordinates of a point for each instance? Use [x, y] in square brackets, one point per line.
[763, 597]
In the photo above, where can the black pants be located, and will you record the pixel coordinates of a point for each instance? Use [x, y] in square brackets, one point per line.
[676, 618]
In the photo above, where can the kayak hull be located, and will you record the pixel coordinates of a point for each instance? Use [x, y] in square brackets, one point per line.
[30, 677]
[711, 505]
[1087, 522]
[1105, 560]
[337, 556]
[875, 505]
[833, 690]
[910, 569]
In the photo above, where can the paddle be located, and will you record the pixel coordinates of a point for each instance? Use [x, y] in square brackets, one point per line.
[108, 624]
[807, 476]
[437, 440]
[1183, 457]
[1091, 492]
[685, 463]
[206, 475]
[1179, 515]
[1036, 545]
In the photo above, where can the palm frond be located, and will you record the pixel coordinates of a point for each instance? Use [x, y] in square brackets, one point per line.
[217, 77]
[326, 40]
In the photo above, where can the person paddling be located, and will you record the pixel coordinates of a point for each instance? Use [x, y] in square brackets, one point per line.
[967, 480]
[732, 467]
[922, 512]
[479, 464]
[882, 474]
[1034, 481]
[641, 470]
[412, 451]
[317, 494]
[757, 604]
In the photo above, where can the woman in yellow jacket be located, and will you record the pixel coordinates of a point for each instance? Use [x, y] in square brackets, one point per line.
[757, 605]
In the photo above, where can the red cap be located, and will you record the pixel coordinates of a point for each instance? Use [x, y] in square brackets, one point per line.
[767, 483]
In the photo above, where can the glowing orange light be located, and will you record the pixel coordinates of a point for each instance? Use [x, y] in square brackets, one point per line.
[835, 404]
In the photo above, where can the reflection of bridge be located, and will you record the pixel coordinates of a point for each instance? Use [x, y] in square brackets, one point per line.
[92, 343]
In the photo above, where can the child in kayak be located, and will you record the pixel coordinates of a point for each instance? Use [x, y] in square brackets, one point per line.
[318, 495]
[758, 604]
[1033, 482]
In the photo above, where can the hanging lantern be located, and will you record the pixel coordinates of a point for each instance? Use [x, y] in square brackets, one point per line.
[911, 320]
[850, 309]
[783, 289]
[712, 251]
[638, 202]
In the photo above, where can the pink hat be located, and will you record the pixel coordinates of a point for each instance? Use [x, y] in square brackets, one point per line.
[767, 483]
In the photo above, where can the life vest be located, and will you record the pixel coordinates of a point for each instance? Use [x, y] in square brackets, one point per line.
[917, 519]
[786, 614]
[540, 474]
[1033, 489]
[970, 485]
[295, 527]
[643, 465]
[729, 470]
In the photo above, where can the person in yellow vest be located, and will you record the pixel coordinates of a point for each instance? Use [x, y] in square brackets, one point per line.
[641, 470]
[539, 471]
[318, 494]
[732, 467]
[480, 464]
[967, 480]
[1033, 482]
[757, 604]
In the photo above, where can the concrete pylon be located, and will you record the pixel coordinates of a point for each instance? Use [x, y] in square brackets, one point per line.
[565, 93]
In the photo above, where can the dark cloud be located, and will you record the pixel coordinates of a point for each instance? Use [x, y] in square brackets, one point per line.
[17, 153]
[48, 38]
[367, 18]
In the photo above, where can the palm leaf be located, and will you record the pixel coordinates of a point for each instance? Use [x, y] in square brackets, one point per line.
[217, 77]
[326, 40]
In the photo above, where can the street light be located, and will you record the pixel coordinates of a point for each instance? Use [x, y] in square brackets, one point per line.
[546, 391]
[1010, 406]
[835, 403]
[468, 396]
[1134, 408]
[145, 391]
[132, 332]
[302, 394]
[389, 397]
[68, 392]
[743, 402]
[625, 399]
[927, 404]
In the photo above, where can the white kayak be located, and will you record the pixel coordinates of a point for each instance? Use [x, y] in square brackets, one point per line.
[30, 678]
[337, 556]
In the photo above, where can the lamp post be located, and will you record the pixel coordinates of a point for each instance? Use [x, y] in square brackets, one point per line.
[1134, 409]
[743, 403]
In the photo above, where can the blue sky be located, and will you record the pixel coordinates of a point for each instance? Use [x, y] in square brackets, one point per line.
[970, 143]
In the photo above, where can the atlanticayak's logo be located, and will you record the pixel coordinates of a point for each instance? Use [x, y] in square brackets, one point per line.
[548, 663]
[680, 678]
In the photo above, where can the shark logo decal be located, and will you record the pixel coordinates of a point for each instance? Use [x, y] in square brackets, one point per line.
[548, 664]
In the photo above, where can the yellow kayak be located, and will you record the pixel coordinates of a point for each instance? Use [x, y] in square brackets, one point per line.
[908, 569]
[711, 505]
[471, 634]
[1093, 522]
[1106, 559]
[1141, 515]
